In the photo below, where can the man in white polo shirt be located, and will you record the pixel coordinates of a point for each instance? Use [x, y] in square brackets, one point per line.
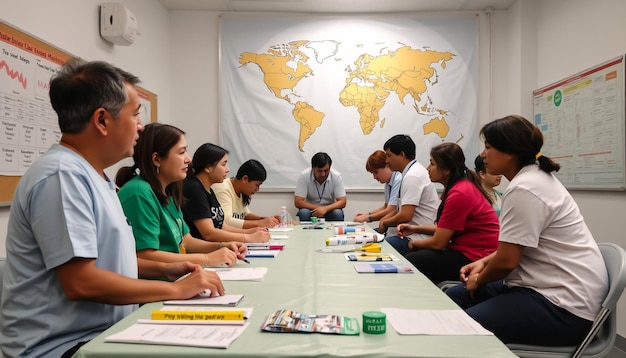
[418, 201]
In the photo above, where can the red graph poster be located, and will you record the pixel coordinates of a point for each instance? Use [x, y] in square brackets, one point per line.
[28, 124]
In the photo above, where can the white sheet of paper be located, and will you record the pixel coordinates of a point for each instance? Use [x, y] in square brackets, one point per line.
[278, 236]
[265, 245]
[280, 229]
[247, 310]
[434, 322]
[262, 253]
[179, 335]
[226, 300]
[241, 274]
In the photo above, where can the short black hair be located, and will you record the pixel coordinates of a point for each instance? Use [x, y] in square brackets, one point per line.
[320, 160]
[401, 143]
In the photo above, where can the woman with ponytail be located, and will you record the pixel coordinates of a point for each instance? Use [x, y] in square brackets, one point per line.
[151, 196]
[466, 227]
[202, 210]
[546, 281]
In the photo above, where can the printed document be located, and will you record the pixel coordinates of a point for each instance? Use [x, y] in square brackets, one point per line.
[434, 322]
[179, 335]
[241, 274]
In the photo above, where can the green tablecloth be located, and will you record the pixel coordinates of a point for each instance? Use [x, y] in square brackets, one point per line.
[304, 280]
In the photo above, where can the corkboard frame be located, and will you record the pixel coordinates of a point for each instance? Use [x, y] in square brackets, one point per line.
[12, 36]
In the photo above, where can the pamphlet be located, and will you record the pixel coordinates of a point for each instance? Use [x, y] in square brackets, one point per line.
[366, 267]
[262, 253]
[270, 245]
[370, 256]
[291, 321]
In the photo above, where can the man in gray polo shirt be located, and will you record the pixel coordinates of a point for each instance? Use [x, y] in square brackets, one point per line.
[320, 191]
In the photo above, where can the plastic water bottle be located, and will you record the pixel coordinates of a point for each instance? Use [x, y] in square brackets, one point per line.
[284, 216]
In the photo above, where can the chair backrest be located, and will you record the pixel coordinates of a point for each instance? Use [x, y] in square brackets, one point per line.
[615, 260]
[2, 262]
[601, 336]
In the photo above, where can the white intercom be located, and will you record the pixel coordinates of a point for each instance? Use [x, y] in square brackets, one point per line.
[118, 24]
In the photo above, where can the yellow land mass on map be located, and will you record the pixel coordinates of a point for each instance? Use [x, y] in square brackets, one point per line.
[277, 74]
[309, 120]
[368, 102]
[438, 126]
[405, 71]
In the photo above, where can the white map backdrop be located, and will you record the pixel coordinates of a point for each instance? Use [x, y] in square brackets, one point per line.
[291, 87]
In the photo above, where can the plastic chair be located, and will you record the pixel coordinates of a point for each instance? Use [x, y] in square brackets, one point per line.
[601, 336]
[445, 285]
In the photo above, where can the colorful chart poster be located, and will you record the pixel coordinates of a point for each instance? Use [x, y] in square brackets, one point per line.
[582, 120]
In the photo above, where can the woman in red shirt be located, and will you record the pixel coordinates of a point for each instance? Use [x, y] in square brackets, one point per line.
[466, 228]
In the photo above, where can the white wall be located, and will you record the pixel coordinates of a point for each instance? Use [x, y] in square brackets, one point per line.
[534, 43]
[73, 26]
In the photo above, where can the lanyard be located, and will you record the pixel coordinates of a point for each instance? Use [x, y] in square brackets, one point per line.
[403, 174]
[318, 190]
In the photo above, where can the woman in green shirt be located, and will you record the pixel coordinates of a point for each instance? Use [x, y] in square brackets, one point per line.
[151, 196]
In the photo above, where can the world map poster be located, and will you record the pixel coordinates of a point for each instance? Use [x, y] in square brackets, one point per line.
[294, 86]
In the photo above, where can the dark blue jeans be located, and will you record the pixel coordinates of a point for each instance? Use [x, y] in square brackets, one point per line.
[521, 315]
[399, 243]
[333, 215]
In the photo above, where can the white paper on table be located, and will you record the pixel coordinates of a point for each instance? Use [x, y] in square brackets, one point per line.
[434, 322]
[280, 229]
[247, 310]
[278, 236]
[241, 273]
[179, 335]
[226, 300]
[262, 253]
[345, 223]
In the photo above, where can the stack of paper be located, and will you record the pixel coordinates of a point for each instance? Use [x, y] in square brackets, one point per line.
[226, 300]
[262, 253]
[212, 333]
[434, 322]
[191, 335]
[240, 274]
[280, 229]
[271, 245]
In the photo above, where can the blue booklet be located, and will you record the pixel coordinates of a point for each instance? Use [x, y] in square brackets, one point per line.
[367, 267]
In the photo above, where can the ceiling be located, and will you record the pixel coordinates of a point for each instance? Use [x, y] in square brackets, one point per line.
[337, 6]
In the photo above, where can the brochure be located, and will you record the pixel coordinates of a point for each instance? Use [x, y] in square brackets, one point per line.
[370, 256]
[366, 267]
[292, 321]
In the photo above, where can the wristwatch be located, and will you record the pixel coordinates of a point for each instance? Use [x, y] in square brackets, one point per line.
[369, 217]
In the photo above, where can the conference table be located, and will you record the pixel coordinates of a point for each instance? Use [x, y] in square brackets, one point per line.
[305, 280]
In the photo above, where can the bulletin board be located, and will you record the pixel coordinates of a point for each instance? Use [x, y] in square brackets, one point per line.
[584, 128]
[28, 124]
